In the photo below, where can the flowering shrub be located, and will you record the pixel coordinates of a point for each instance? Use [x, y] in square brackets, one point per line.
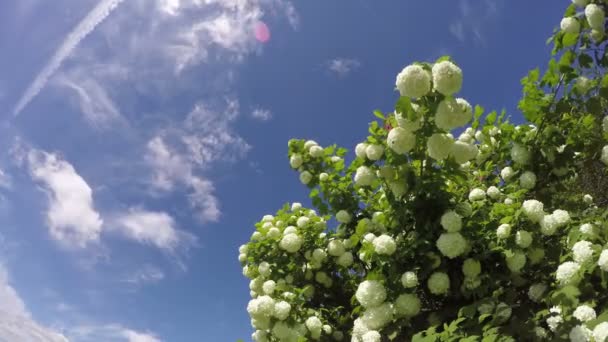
[485, 236]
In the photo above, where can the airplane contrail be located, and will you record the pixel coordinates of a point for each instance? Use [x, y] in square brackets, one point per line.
[84, 27]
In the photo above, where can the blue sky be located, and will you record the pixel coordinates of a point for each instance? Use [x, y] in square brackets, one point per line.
[142, 139]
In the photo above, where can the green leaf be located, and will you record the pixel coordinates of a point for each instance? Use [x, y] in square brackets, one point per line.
[570, 39]
[404, 105]
[379, 114]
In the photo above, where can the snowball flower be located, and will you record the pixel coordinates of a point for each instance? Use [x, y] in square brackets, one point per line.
[587, 229]
[523, 239]
[580, 334]
[261, 307]
[364, 176]
[407, 305]
[527, 180]
[447, 77]
[471, 268]
[463, 152]
[508, 201]
[314, 325]
[548, 225]
[413, 81]
[264, 269]
[361, 150]
[561, 217]
[370, 293]
[451, 244]
[506, 173]
[305, 177]
[439, 283]
[295, 161]
[516, 262]
[281, 310]
[374, 152]
[582, 251]
[409, 279]
[335, 248]
[378, 316]
[290, 230]
[309, 143]
[400, 140]
[503, 231]
[520, 154]
[316, 151]
[345, 260]
[600, 332]
[284, 332]
[604, 157]
[584, 313]
[439, 146]
[291, 243]
[580, 3]
[602, 262]
[260, 336]
[477, 195]
[451, 221]
[269, 287]
[570, 25]
[553, 322]
[588, 199]
[595, 16]
[537, 291]
[452, 113]
[343, 216]
[384, 245]
[371, 336]
[242, 257]
[493, 192]
[567, 272]
[323, 176]
[302, 221]
[534, 210]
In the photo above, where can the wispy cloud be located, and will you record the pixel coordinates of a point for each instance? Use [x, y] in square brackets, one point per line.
[144, 275]
[110, 332]
[71, 216]
[473, 17]
[83, 29]
[343, 66]
[261, 114]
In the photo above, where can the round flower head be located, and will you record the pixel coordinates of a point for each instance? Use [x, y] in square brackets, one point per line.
[316, 151]
[260, 336]
[587, 229]
[604, 157]
[407, 305]
[477, 195]
[449, 114]
[295, 161]
[439, 146]
[584, 313]
[370, 293]
[343, 216]
[582, 84]
[371, 336]
[534, 210]
[463, 152]
[378, 316]
[570, 25]
[384, 245]
[409, 280]
[364, 176]
[374, 152]
[451, 244]
[595, 16]
[508, 201]
[523, 239]
[554, 322]
[335, 248]
[291, 243]
[261, 307]
[302, 221]
[309, 143]
[548, 225]
[400, 140]
[447, 78]
[600, 332]
[369, 237]
[605, 124]
[361, 150]
[345, 260]
[503, 231]
[582, 251]
[537, 291]
[323, 176]
[268, 287]
[264, 269]
[305, 177]
[516, 262]
[567, 272]
[580, 3]
[562, 217]
[527, 180]
[413, 81]
[602, 262]
[588, 199]
[439, 283]
[281, 310]
[471, 268]
[506, 173]
[242, 257]
[314, 325]
[520, 154]
[451, 221]
[580, 334]
[256, 236]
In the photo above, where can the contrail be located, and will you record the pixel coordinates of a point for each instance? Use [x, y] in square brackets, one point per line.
[86, 26]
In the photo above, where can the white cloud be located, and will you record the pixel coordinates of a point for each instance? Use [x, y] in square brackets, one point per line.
[86, 26]
[343, 66]
[152, 228]
[110, 333]
[71, 216]
[16, 323]
[473, 18]
[5, 181]
[261, 114]
[145, 275]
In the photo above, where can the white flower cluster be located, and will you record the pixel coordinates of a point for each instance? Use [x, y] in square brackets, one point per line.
[453, 113]
[567, 273]
[400, 140]
[439, 283]
[413, 81]
[364, 176]
[447, 78]
[534, 210]
[527, 180]
[550, 223]
[570, 25]
[451, 245]
[451, 221]
[595, 16]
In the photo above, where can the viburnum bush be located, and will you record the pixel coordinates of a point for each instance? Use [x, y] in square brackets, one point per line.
[498, 234]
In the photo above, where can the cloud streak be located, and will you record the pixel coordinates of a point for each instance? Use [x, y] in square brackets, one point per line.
[83, 29]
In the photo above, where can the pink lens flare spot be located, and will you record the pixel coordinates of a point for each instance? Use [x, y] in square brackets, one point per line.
[262, 32]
